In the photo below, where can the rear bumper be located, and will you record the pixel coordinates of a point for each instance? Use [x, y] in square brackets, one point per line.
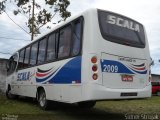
[99, 92]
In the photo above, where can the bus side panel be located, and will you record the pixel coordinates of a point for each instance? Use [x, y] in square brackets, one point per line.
[25, 83]
[53, 92]
[63, 83]
[27, 90]
[63, 93]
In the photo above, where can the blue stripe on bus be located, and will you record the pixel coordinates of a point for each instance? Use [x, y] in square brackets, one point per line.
[110, 65]
[70, 72]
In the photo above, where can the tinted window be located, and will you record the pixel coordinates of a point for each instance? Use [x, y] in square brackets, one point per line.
[42, 51]
[64, 42]
[33, 57]
[21, 58]
[76, 38]
[57, 41]
[122, 30]
[51, 50]
[26, 60]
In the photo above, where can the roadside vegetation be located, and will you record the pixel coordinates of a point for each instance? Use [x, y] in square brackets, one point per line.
[27, 109]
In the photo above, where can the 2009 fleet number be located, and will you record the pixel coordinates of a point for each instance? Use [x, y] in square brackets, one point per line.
[110, 68]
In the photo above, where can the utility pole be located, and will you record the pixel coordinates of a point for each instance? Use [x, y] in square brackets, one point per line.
[32, 34]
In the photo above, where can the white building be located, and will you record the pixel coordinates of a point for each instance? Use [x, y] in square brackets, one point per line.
[155, 78]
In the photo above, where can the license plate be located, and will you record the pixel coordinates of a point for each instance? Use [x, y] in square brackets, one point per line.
[127, 78]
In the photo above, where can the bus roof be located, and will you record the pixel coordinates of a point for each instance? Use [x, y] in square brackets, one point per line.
[58, 26]
[67, 21]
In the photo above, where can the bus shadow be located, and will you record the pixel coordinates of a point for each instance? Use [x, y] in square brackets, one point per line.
[92, 114]
[73, 112]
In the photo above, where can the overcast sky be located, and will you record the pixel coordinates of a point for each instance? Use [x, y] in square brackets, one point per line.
[145, 11]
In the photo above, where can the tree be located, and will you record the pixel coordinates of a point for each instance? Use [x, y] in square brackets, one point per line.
[42, 15]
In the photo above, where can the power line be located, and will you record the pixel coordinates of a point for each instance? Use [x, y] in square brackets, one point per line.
[16, 23]
[14, 38]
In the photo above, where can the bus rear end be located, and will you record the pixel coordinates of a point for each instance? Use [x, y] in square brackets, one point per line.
[122, 52]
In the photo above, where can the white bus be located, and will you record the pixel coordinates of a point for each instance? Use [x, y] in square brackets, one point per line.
[96, 55]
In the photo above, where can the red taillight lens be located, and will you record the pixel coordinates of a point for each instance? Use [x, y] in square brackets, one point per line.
[94, 59]
[95, 76]
[94, 68]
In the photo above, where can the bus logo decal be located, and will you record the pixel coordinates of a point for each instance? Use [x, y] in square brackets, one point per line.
[44, 75]
[24, 76]
[121, 22]
[141, 69]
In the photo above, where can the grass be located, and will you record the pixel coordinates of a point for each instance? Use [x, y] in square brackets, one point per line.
[145, 106]
[26, 109]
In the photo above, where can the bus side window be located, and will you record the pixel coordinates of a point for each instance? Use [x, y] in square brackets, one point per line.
[26, 59]
[42, 51]
[21, 58]
[51, 48]
[33, 57]
[64, 42]
[76, 38]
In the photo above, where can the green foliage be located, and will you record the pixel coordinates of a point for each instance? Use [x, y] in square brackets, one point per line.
[2, 6]
[42, 15]
[26, 109]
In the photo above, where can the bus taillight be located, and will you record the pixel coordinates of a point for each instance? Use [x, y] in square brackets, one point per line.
[94, 68]
[94, 59]
[95, 76]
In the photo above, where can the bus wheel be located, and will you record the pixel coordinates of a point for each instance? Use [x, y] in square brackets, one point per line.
[43, 102]
[87, 104]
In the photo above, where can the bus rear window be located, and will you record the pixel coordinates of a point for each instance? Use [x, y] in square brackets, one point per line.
[122, 30]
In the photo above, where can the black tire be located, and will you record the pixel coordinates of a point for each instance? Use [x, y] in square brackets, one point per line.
[43, 102]
[87, 104]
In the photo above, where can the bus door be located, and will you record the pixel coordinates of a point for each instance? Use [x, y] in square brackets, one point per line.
[12, 70]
